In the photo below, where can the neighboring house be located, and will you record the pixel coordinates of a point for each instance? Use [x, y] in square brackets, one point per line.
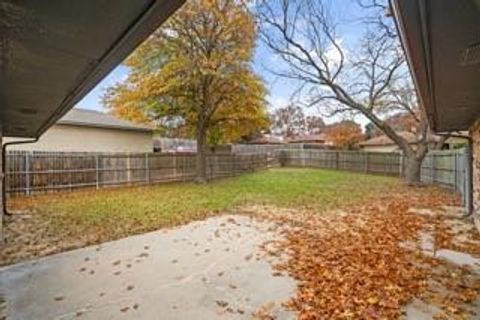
[383, 143]
[83, 130]
[170, 145]
[441, 39]
[267, 139]
[309, 139]
[312, 141]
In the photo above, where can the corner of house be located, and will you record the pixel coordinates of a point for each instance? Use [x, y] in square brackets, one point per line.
[475, 135]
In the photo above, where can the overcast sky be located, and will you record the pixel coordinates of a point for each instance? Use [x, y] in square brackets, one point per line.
[279, 89]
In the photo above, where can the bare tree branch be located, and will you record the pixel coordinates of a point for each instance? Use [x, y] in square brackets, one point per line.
[372, 79]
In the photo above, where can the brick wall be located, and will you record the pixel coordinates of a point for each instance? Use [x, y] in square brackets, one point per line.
[475, 134]
[1, 193]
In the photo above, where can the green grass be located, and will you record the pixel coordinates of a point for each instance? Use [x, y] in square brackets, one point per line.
[119, 211]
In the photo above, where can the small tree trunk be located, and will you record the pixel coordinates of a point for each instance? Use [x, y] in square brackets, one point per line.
[412, 170]
[201, 155]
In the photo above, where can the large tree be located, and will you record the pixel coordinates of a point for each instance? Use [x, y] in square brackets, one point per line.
[195, 72]
[288, 121]
[369, 78]
[291, 121]
[314, 124]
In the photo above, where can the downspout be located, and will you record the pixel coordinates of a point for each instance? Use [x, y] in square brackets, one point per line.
[469, 169]
[4, 153]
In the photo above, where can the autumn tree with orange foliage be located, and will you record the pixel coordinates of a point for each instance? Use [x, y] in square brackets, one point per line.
[195, 72]
[345, 134]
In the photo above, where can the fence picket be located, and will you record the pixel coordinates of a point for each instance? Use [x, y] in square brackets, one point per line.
[28, 163]
[97, 173]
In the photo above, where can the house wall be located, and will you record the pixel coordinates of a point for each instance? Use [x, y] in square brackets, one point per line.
[475, 134]
[387, 148]
[70, 138]
[1, 191]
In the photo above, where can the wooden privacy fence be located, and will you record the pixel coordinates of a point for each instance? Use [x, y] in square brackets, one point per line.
[385, 163]
[32, 172]
[263, 148]
[447, 168]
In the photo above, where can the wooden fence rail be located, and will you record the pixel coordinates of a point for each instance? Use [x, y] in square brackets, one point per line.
[34, 172]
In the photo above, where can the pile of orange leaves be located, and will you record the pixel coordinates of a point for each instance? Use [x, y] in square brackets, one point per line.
[366, 262]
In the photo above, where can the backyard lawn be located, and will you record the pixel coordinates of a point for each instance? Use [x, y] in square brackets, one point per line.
[92, 216]
[360, 246]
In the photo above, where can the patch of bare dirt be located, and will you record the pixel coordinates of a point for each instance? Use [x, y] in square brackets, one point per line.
[29, 235]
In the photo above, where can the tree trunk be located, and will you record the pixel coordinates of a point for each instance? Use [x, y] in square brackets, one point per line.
[412, 170]
[414, 162]
[201, 160]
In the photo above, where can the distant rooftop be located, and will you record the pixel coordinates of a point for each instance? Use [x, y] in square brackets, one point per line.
[383, 140]
[96, 119]
[309, 138]
[267, 139]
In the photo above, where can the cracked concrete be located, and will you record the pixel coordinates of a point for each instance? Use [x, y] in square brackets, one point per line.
[210, 269]
[421, 310]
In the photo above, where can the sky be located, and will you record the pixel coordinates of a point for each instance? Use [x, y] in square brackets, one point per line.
[280, 89]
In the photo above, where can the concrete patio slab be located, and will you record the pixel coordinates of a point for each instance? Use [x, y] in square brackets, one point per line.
[421, 310]
[210, 269]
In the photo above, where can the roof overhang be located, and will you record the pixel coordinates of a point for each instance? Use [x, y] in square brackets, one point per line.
[52, 53]
[98, 126]
[441, 39]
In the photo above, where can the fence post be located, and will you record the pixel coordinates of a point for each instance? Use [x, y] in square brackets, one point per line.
[336, 160]
[366, 162]
[234, 163]
[28, 171]
[468, 177]
[174, 160]
[400, 168]
[184, 168]
[147, 169]
[129, 173]
[303, 156]
[214, 166]
[97, 172]
[455, 172]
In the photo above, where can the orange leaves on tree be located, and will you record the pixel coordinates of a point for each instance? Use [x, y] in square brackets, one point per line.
[195, 72]
[344, 134]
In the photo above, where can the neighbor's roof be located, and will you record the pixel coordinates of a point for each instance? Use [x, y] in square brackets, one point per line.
[383, 140]
[441, 39]
[308, 138]
[96, 119]
[267, 139]
[52, 53]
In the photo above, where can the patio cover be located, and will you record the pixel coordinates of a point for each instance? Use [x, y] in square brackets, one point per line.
[442, 42]
[53, 52]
